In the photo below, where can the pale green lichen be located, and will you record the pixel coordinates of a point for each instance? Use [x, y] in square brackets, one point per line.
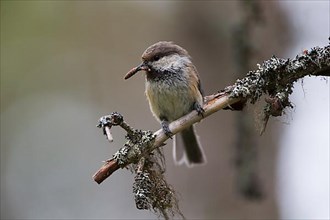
[139, 142]
[151, 191]
[275, 78]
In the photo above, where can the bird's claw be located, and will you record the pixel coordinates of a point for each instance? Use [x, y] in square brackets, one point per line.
[166, 129]
[199, 109]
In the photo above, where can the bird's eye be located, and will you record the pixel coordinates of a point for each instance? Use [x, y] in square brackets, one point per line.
[156, 58]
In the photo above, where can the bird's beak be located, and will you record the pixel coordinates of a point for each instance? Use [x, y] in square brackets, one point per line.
[142, 66]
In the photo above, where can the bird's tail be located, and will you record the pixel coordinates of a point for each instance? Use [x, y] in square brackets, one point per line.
[192, 151]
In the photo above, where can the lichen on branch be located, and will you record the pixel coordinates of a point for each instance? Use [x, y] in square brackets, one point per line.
[274, 78]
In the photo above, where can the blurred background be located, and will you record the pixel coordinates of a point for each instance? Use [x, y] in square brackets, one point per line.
[62, 67]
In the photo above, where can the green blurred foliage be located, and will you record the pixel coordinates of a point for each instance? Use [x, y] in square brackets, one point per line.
[62, 67]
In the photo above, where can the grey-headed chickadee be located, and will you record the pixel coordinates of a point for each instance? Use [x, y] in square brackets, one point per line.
[173, 90]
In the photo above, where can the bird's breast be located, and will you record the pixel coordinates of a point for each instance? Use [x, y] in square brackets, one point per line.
[169, 98]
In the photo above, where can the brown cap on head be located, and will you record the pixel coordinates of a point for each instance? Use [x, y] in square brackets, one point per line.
[162, 48]
[154, 53]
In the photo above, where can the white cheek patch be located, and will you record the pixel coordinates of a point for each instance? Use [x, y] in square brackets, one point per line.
[171, 63]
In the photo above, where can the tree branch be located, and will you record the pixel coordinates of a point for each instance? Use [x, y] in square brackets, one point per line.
[274, 77]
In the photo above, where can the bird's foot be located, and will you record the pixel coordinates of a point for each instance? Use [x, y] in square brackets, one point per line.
[199, 109]
[166, 129]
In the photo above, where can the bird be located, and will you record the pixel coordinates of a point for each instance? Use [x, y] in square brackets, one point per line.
[173, 89]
